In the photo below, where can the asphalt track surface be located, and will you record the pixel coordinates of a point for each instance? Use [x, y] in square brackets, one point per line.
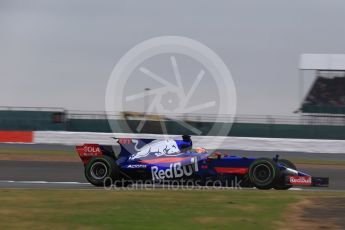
[70, 175]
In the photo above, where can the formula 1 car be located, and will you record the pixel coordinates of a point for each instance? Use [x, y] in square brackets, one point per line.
[166, 160]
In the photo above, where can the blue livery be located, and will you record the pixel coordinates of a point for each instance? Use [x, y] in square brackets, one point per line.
[165, 160]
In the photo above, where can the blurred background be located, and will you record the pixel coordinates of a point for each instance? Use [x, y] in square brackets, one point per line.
[60, 54]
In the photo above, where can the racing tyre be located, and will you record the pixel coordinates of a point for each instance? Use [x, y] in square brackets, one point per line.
[281, 182]
[102, 171]
[264, 173]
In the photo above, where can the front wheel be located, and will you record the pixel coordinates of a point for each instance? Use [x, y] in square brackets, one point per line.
[281, 185]
[102, 170]
[263, 173]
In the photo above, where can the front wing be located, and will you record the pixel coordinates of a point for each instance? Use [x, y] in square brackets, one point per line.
[307, 181]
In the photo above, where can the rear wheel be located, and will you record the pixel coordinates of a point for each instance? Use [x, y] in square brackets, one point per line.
[263, 173]
[102, 171]
[281, 185]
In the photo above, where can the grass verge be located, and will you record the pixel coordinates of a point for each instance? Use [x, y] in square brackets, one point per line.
[318, 162]
[38, 155]
[36, 152]
[156, 209]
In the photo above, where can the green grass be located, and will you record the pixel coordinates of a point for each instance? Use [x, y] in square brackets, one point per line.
[26, 152]
[156, 209]
[318, 161]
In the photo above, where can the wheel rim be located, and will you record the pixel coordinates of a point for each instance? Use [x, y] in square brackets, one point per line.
[99, 170]
[262, 173]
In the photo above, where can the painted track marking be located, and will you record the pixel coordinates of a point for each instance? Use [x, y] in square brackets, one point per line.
[45, 182]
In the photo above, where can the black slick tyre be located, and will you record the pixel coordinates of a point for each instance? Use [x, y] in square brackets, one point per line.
[264, 173]
[102, 171]
[281, 185]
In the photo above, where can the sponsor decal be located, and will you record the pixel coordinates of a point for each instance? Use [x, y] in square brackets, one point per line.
[231, 170]
[91, 150]
[175, 170]
[158, 148]
[136, 166]
[300, 180]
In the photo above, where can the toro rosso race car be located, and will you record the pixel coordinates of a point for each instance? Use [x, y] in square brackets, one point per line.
[166, 160]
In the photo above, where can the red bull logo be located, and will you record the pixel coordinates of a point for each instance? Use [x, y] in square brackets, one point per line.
[175, 170]
[300, 180]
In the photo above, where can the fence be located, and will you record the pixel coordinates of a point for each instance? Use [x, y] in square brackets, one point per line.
[305, 127]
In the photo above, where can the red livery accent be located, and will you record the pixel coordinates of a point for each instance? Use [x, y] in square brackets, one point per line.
[87, 151]
[231, 170]
[164, 160]
[300, 180]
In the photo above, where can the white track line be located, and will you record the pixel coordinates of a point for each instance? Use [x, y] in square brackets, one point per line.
[82, 183]
[45, 182]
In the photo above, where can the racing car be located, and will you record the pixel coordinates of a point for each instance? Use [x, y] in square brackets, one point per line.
[168, 159]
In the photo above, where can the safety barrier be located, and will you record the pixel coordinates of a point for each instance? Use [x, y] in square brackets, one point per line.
[209, 142]
[16, 136]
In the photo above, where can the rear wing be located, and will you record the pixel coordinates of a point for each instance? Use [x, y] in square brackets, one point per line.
[88, 151]
[128, 147]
